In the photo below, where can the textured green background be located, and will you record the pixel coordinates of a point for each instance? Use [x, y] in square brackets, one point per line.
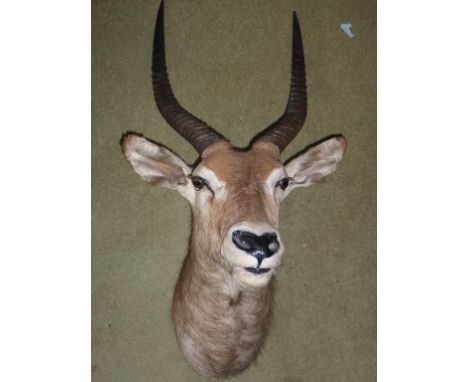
[229, 63]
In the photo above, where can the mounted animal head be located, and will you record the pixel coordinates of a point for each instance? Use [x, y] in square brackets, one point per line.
[235, 193]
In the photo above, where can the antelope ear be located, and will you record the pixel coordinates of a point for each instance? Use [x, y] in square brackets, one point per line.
[157, 165]
[315, 162]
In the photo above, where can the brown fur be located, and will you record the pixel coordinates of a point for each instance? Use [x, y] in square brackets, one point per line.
[221, 312]
[244, 172]
[221, 326]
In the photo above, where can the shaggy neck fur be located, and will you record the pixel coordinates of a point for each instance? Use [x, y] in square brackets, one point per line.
[220, 324]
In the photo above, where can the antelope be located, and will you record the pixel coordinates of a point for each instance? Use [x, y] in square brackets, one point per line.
[223, 297]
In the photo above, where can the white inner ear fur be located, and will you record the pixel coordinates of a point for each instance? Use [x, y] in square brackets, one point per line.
[315, 163]
[158, 165]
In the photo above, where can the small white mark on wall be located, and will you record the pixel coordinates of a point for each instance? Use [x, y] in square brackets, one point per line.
[346, 27]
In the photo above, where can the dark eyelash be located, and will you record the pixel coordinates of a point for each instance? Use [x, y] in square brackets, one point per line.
[198, 182]
[283, 183]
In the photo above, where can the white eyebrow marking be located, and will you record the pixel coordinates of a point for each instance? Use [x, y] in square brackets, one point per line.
[217, 185]
[277, 174]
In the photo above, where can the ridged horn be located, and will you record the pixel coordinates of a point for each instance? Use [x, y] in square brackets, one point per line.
[282, 132]
[194, 130]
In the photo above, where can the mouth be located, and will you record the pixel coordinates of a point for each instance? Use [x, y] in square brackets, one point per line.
[257, 270]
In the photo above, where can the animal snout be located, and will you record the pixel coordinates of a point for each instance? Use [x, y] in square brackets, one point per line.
[260, 247]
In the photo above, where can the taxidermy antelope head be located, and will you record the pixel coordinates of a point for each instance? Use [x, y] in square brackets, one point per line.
[223, 297]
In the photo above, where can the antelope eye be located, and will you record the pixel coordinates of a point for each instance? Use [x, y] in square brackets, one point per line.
[198, 182]
[283, 183]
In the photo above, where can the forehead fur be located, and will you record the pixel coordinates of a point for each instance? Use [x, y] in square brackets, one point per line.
[235, 166]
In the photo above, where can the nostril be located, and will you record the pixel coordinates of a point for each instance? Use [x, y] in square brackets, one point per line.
[273, 246]
[271, 242]
[242, 240]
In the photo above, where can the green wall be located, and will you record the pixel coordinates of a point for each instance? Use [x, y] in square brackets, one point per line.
[229, 64]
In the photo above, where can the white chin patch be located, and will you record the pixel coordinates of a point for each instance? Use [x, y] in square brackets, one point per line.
[250, 279]
[245, 265]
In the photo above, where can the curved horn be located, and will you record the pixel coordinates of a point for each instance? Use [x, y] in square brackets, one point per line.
[282, 132]
[194, 130]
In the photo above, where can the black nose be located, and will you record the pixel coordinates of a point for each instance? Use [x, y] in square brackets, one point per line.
[261, 247]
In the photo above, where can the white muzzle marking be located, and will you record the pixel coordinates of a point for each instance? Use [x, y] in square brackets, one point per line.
[241, 259]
